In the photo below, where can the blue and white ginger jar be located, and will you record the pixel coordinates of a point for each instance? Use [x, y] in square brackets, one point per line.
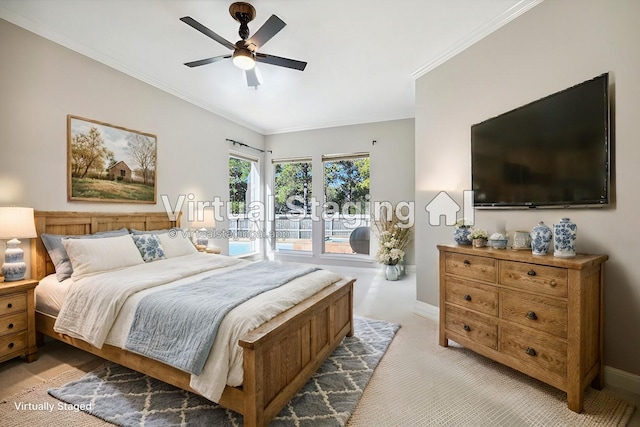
[461, 235]
[540, 239]
[564, 239]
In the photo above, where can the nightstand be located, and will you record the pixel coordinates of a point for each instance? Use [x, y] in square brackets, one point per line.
[17, 320]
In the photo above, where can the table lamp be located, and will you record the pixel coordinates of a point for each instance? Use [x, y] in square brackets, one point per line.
[203, 221]
[15, 223]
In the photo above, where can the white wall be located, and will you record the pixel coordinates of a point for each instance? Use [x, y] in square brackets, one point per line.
[553, 46]
[43, 82]
[391, 160]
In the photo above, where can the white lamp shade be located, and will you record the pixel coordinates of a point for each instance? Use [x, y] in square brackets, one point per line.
[17, 222]
[204, 218]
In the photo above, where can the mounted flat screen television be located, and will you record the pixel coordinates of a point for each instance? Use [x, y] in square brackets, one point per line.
[554, 152]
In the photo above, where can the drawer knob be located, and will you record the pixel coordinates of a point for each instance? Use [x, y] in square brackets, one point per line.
[530, 351]
[466, 328]
[531, 272]
[10, 345]
[10, 326]
[466, 262]
[553, 284]
[9, 305]
[467, 297]
[532, 315]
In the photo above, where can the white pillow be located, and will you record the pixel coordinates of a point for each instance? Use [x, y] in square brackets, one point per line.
[177, 242]
[89, 256]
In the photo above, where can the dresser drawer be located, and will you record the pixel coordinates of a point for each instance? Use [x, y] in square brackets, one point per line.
[535, 350]
[471, 266]
[534, 278]
[12, 343]
[476, 327]
[542, 313]
[13, 303]
[13, 323]
[471, 295]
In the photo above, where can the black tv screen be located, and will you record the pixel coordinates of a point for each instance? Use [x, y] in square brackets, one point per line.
[553, 152]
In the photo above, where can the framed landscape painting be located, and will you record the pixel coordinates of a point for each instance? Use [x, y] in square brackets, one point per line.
[107, 163]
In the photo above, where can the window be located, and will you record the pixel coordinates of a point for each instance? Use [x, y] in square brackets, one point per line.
[346, 205]
[244, 187]
[293, 204]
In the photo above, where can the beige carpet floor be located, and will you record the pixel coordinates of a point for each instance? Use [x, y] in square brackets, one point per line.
[417, 383]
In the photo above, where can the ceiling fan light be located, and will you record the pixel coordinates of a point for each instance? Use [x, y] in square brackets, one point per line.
[243, 59]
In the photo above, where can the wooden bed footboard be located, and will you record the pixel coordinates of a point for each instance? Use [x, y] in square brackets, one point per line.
[279, 356]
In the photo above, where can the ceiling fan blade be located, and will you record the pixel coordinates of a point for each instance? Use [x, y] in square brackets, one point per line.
[268, 30]
[206, 61]
[254, 79]
[281, 62]
[207, 32]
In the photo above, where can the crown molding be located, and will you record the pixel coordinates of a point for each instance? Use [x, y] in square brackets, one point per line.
[353, 121]
[481, 32]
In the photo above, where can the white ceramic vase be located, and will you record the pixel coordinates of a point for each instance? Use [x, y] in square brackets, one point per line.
[391, 272]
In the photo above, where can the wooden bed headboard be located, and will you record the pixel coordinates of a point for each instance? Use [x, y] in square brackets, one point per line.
[75, 223]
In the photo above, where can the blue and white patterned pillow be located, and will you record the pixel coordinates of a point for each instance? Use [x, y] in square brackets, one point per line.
[149, 247]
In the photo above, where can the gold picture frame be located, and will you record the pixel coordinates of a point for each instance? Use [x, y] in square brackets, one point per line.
[108, 163]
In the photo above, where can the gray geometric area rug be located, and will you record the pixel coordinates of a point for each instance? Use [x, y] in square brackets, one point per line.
[128, 398]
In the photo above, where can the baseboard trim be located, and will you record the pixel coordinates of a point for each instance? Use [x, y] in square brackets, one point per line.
[427, 310]
[613, 377]
[623, 380]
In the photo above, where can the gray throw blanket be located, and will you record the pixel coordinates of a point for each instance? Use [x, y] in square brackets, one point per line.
[178, 326]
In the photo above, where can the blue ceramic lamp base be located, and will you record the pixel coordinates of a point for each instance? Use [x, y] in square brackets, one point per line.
[14, 267]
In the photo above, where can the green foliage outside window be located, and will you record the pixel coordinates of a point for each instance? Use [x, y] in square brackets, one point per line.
[293, 187]
[239, 171]
[347, 181]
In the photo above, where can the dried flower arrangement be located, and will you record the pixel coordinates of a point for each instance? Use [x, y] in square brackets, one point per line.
[394, 236]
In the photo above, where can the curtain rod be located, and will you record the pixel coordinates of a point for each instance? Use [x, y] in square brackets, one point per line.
[248, 146]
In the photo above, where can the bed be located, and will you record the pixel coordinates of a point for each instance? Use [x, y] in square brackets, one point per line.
[278, 357]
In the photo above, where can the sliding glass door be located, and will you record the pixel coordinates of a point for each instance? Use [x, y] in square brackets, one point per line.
[244, 188]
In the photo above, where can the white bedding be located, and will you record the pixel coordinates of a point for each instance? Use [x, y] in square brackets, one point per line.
[50, 294]
[224, 365]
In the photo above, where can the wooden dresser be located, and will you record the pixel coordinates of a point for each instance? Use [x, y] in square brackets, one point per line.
[540, 315]
[17, 320]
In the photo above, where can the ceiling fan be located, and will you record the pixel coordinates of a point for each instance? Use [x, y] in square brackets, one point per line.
[245, 52]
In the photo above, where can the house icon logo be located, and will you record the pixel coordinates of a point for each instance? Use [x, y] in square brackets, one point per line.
[443, 205]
